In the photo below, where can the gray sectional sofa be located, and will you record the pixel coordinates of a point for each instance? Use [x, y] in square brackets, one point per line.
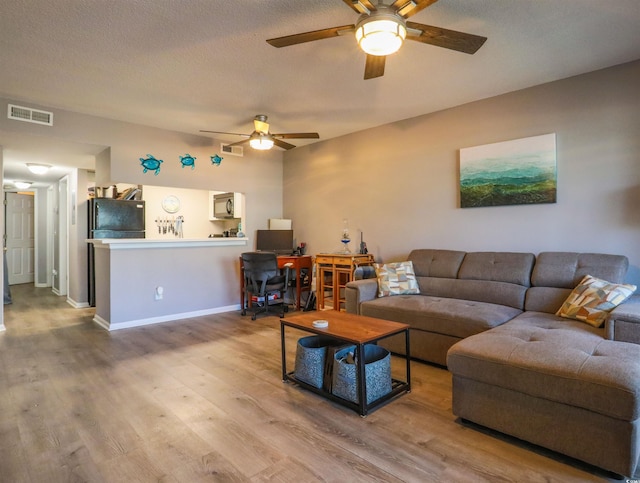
[517, 367]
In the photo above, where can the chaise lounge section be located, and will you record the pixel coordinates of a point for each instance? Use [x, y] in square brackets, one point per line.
[517, 367]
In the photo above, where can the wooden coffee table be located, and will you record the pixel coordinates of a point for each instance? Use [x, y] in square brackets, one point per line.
[350, 329]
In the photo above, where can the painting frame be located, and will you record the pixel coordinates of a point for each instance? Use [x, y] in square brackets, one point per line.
[516, 172]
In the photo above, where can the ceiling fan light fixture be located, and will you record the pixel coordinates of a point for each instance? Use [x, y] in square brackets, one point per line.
[260, 141]
[381, 33]
[38, 168]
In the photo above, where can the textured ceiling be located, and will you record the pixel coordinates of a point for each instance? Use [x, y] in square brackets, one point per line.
[187, 65]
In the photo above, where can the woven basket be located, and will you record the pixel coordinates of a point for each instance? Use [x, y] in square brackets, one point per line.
[311, 357]
[377, 374]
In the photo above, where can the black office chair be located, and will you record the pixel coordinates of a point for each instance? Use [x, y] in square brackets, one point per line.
[265, 284]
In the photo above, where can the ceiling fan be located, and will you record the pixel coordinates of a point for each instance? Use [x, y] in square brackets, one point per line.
[381, 30]
[262, 139]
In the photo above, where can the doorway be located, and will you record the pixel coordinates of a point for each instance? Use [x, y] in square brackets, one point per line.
[50, 201]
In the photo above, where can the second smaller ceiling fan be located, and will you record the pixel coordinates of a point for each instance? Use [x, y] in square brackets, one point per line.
[262, 139]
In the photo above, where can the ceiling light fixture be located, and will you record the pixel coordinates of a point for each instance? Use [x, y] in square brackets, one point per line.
[381, 33]
[37, 168]
[261, 141]
[21, 185]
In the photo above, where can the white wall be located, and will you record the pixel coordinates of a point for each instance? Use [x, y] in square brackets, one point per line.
[2, 262]
[194, 206]
[78, 295]
[40, 219]
[399, 183]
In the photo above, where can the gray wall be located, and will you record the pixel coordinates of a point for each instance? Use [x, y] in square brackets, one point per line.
[118, 147]
[398, 183]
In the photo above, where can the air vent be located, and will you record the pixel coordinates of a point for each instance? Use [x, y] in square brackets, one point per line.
[20, 113]
[233, 150]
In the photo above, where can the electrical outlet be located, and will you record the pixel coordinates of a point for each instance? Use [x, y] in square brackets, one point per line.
[159, 293]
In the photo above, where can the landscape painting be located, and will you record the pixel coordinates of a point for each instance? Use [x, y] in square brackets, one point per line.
[522, 171]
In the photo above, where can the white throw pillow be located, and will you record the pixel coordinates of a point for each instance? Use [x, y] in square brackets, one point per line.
[396, 279]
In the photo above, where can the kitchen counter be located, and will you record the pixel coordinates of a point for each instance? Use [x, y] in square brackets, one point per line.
[139, 243]
[141, 281]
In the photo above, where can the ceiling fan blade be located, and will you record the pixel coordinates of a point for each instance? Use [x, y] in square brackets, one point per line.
[374, 66]
[282, 144]
[298, 135]
[407, 8]
[310, 36]
[449, 39]
[229, 133]
[238, 143]
[360, 6]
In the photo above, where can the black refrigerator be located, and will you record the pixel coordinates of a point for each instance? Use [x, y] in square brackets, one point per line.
[109, 218]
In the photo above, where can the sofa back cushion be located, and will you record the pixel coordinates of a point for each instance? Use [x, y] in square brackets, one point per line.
[555, 275]
[436, 263]
[493, 277]
[498, 267]
[436, 270]
[545, 299]
[566, 269]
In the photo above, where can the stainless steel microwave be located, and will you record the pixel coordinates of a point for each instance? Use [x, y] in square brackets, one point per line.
[223, 205]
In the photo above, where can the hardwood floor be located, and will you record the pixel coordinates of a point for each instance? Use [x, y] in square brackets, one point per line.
[202, 400]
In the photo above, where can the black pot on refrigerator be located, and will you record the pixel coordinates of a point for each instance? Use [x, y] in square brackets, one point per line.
[109, 218]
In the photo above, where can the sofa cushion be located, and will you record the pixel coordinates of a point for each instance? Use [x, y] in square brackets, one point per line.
[436, 263]
[500, 293]
[498, 267]
[545, 299]
[593, 299]
[566, 269]
[545, 356]
[453, 317]
[396, 279]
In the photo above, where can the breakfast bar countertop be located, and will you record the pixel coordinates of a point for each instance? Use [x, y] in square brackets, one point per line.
[139, 243]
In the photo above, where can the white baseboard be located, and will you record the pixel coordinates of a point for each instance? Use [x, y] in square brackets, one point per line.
[77, 305]
[105, 324]
[101, 322]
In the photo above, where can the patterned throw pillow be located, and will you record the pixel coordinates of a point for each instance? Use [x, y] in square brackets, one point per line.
[593, 299]
[396, 279]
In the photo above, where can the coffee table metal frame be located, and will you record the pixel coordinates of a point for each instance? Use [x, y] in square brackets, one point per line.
[382, 329]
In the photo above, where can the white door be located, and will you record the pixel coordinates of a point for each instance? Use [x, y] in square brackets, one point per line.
[19, 238]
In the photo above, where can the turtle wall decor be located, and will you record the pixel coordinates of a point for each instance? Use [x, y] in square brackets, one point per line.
[150, 163]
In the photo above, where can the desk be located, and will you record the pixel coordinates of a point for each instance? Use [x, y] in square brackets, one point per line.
[298, 263]
[333, 272]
